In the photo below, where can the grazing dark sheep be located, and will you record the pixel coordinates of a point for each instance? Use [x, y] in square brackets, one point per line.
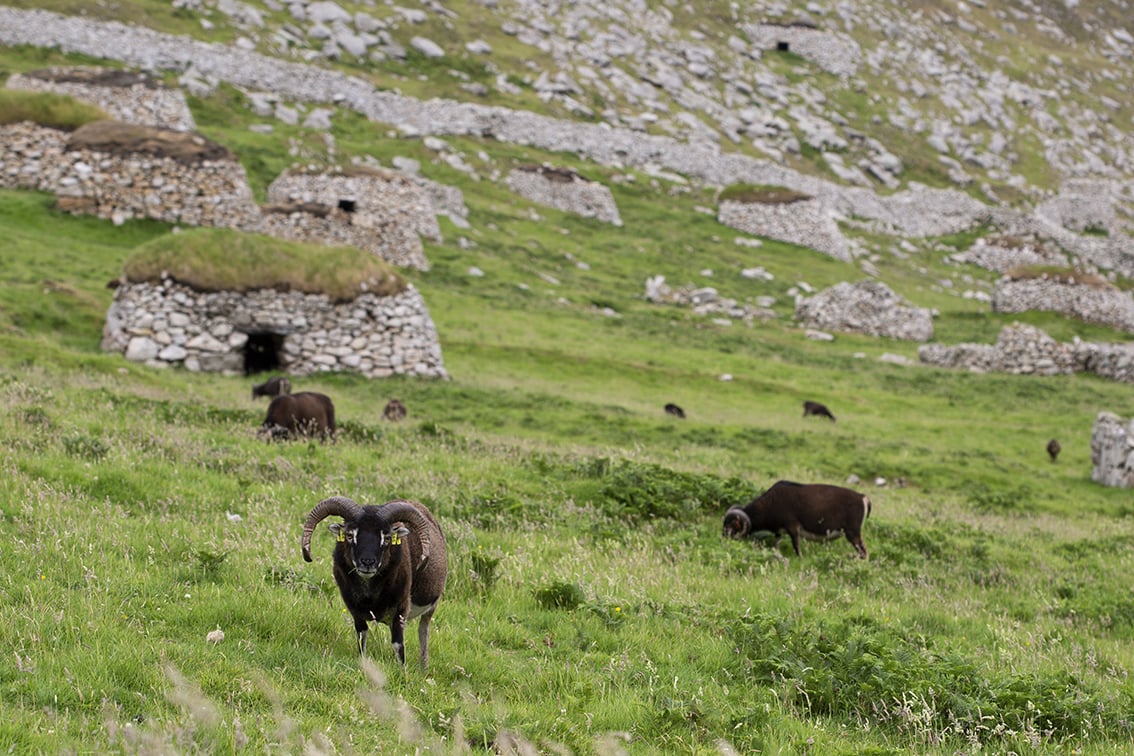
[304, 414]
[1053, 449]
[673, 409]
[390, 564]
[277, 386]
[816, 512]
[817, 409]
[395, 410]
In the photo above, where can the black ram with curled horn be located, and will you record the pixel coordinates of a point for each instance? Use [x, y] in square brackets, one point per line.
[390, 563]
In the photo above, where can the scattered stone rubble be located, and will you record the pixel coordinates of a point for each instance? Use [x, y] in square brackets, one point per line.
[868, 307]
[1112, 451]
[564, 189]
[170, 324]
[704, 300]
[124, 95]
[1026, 350]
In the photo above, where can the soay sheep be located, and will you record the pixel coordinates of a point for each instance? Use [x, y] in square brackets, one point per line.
[275, 386]
[304, 414]
[673, 409]
[817, 512]
[395, 410]
[1053, 449]
[817, 409]
[390, 563]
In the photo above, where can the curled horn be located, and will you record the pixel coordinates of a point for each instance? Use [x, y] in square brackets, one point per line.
[339, 506]
[402, 510]
[742, 516]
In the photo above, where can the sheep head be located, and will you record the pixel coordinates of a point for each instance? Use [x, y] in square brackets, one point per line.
[366, 533]
[736, 523]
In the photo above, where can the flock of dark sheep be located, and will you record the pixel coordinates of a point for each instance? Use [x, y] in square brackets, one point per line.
[390, 562]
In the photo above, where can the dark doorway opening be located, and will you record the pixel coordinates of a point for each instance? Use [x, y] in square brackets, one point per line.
[262, 352]
[783, 46]
[346, 205]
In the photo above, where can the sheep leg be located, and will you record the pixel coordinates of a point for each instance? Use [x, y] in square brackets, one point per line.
[794, 533]
[859, 546]
[362, 642]
[423, 637]
[398, 636]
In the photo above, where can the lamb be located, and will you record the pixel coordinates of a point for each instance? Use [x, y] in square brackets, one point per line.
[817, 512]
[1053, 449]
[304, 414]
[817, 409]
[673, 409]
[275, 386]
[390, 563]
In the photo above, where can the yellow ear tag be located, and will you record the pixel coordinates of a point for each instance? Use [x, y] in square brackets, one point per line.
[395, 539]
[340, 536]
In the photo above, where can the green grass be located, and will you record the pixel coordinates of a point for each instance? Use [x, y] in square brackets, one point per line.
[592, 604]
[46, 109]
[591, 600]
[215, 259]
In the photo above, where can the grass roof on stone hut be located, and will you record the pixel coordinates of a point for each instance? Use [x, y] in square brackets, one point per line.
[122, 138]
[219, 259]
[761, 194]
[56, 111]
[1059, 274]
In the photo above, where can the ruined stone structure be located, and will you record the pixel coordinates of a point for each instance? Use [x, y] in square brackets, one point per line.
[124, 95]
[1112, 451]
[805, 221]
[1002, 253]
[868, 307]
[1100, 303]
[1026, 350]
[170, 324]
[121, 171]
[831, 51]
[380, 211]
[564, 189]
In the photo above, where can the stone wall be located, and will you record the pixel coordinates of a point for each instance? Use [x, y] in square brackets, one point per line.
[331, 226]
[1112, 451]
[806, 222]
[124, 95]
[1026, 350]
[1100, 305]
[389, 212]
[1001, 253]
[565, 190]
[131, 185]
[169, 324]
[868, 307]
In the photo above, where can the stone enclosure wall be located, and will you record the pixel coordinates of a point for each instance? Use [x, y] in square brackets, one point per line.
[565, 190]
[806, 222]
[169, 324]
[1026, 350]
[1099, 304]
[124, 95]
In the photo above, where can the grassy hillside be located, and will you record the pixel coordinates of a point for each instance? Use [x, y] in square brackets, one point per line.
[593, 606]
